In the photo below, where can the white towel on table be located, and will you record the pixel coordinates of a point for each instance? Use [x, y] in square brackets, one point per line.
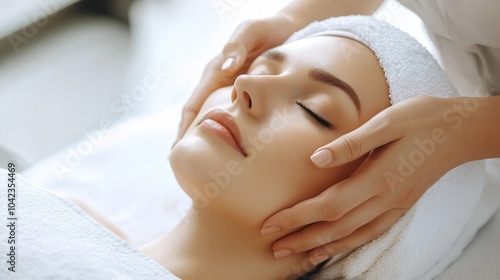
[54, 239]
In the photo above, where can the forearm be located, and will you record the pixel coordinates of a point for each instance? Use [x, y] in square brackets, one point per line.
[303, 12]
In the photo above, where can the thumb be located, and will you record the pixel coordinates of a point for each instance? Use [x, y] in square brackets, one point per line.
[244, 40]
[375, 133]
[234, 56]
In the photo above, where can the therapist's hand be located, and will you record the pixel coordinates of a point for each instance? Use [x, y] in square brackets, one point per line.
[250, 39]
[411, 145]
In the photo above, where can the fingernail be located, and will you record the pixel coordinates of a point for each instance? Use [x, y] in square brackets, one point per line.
[322, 158]
[228, 64]
[319, 259]
[282, 253]
[269, 230]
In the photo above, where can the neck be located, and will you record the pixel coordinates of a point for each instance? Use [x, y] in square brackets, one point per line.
[207, 245]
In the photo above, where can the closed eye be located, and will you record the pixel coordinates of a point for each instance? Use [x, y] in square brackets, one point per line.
[320, 120]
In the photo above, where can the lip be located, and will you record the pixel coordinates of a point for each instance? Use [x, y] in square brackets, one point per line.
[223, 124]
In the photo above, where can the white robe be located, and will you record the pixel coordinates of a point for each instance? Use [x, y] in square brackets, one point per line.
[467, 36]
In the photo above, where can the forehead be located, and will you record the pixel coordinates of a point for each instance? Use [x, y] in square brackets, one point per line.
[327, 51]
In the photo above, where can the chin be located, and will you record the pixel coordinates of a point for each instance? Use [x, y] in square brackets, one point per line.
[195, 159]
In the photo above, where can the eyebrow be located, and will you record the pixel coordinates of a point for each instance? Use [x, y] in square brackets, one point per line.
[322, 76]
[319, 75]
[275, 55]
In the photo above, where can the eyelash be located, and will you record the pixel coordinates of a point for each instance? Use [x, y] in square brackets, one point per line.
[320, 120]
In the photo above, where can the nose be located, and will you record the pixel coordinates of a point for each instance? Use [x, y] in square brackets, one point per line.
[256, 94]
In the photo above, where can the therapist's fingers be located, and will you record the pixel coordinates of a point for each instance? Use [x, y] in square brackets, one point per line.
[252, 38]
[212, 80]
[321, 233]
[234, 56]
[247, 39]
[364, 234]
[328, 206]
[382, 129]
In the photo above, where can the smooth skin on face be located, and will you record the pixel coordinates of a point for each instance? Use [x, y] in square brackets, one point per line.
[293, 99]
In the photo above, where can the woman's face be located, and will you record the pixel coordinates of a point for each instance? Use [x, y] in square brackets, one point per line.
[248, 151]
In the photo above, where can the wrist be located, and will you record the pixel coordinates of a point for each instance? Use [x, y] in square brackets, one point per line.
[486, 121]
[476, 123]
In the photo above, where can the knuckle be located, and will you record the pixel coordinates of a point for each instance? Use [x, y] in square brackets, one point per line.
[299, 242]
[302, 242]
[324, 239]
[331, 212]
[352, 146]
[335, 248]
[293, 221]
[406, 201]
[229, 47]
[343, 231]
[386, 122]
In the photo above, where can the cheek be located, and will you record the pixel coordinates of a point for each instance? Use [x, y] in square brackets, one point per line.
[219, 98]
[280, 163]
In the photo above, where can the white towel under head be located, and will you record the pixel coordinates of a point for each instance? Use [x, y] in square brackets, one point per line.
[431, 234]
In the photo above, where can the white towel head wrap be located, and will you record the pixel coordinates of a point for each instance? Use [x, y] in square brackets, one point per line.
[430, 235]
[409, 68]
